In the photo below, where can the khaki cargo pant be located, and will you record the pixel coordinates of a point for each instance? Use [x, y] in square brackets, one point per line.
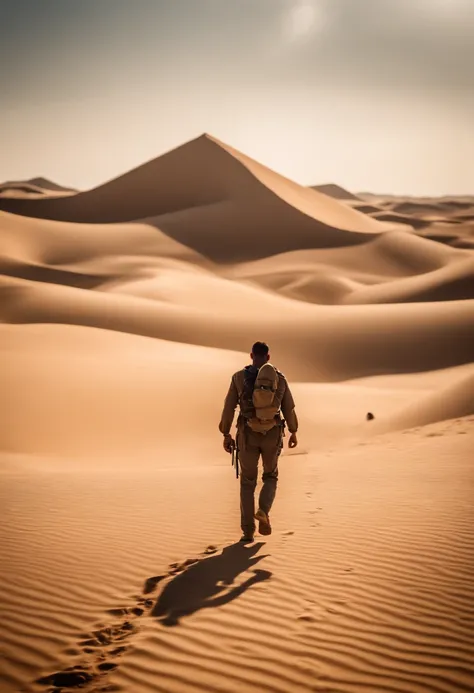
[251, 446]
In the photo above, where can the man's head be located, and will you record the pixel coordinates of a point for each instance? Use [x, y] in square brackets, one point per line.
[260, 354]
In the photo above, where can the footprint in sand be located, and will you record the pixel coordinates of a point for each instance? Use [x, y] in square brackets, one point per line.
[101, 649]
[74, 677]
[151, 583]
[313, 613]
[211, 549]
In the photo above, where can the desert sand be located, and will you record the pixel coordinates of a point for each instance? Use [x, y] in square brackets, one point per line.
[125, 309]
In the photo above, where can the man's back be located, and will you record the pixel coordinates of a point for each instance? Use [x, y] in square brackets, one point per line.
[238, 394]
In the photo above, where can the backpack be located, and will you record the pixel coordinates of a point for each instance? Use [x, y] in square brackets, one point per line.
[266, 399]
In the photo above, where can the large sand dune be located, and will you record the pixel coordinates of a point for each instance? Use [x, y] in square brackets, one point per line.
[217, 201]
[124, 310]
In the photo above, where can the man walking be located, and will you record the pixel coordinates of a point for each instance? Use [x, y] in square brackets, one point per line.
[264, 397]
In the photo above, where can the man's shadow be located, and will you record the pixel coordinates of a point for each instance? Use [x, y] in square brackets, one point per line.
[207, 583]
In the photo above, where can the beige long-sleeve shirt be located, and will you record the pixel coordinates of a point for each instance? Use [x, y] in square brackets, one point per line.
[233, 399]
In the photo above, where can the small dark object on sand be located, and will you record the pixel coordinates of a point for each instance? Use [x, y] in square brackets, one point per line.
[370, 416]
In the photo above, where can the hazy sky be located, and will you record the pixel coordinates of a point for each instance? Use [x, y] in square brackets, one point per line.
[372, 94]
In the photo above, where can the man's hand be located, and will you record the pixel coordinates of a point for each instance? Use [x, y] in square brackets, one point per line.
[292, 441]
[229, 443]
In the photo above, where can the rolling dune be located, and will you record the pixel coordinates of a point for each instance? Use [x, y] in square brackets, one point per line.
[14, 189]
[396, 254]
[85, 256]
[313, 342]
[394, 268]
[33, 188]
[451, 283]
[447, 220]
[451, 402]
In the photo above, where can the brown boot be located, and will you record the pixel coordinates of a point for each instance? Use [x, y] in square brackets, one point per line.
[264, 526]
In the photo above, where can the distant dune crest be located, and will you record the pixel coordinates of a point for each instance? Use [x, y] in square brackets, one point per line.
[32, 189]
[333, 190]
[49, 185]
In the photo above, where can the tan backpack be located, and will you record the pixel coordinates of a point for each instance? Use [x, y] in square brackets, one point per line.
[266, 399]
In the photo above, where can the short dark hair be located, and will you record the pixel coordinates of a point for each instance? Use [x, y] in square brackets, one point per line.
[260, 349]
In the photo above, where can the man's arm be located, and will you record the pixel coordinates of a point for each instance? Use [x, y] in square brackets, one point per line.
[228, 411]
[288, 410]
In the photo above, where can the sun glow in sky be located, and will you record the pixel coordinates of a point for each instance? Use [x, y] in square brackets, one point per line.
[303, 19]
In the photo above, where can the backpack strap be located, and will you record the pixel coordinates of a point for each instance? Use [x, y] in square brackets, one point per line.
[244, 382]
[246, 399]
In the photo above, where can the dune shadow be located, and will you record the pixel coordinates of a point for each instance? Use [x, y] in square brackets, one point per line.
[209, 583]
